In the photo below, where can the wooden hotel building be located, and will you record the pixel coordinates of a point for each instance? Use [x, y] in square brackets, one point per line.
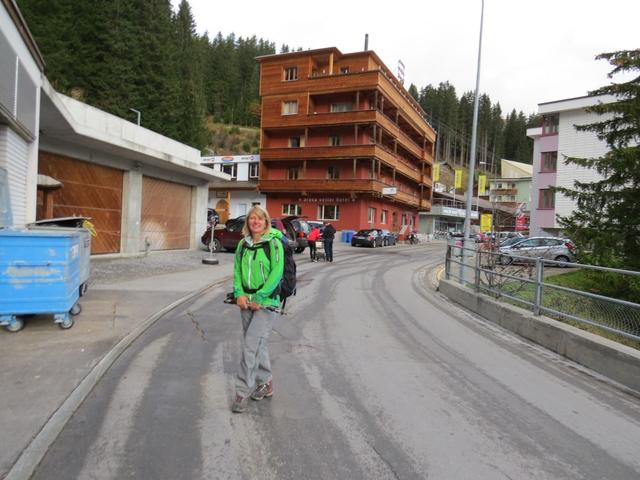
[342, 140]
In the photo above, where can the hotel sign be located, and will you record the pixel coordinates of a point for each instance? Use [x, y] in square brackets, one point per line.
[389, 190]
[328, 200]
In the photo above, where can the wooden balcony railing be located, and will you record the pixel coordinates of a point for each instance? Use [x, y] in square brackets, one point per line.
[339, 186]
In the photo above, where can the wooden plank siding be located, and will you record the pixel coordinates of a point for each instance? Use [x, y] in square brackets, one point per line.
[166, 214]
[89, 190]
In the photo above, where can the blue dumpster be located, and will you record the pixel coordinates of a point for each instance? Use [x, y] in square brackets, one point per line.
[348, 235]
[39, 274]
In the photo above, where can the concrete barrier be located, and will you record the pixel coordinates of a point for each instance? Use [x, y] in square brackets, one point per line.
[613, 360]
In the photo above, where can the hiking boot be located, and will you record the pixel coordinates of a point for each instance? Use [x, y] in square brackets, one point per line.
[240, 405]
[263, 390]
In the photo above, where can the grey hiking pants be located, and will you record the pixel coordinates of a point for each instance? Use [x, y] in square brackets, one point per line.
[255, 366]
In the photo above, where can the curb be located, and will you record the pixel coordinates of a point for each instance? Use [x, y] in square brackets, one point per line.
[31, 456]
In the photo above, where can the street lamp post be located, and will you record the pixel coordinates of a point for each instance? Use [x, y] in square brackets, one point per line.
[472, 159]
[138, 112]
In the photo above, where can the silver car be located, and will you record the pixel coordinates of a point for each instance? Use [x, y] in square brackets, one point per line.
[549, 248]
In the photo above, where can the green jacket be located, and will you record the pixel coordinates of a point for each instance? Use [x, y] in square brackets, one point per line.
[253, 270]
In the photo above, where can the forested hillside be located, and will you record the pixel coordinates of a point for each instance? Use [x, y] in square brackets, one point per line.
[122, 55]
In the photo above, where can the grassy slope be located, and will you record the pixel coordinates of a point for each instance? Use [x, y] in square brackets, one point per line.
[232, 139]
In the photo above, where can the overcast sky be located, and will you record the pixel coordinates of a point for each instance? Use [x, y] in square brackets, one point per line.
[532, 51]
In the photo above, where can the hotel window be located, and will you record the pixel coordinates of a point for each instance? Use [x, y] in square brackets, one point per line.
[291, 209]
[547, 199]
[344, 70]
[328, 212]
[294, 142]
[549, 162]
[290, 107]
[341, 107]
[383, 217]
[550, 124]
[334, 140]
[371, 215]
[230, 169]
[290, 73]
[254, 170]
[293, 173]
[333, 173]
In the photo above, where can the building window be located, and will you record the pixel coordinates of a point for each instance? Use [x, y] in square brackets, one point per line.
[290, 107]
[371, 215]
[383, 217]
[293, 173]
[333, 173]
[342, 107]
[549, 162]
[230, 169]
[334, 140]
[291, 209]
[344, 70]
[550, 124]
[254, 170]
[546, 199]
[290, 73]
[328, 212]
[294, 142]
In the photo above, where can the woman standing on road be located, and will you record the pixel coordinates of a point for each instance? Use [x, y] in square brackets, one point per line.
[256, 276]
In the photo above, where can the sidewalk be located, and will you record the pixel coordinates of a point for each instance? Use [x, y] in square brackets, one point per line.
[43, 364]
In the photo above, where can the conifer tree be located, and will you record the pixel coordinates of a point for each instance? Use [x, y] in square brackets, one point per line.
[606, 221]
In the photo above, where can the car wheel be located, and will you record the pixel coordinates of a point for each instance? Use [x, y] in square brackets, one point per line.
[299, 250]
[562, 258]
[215, 245]
[505, 260]
[385, 243]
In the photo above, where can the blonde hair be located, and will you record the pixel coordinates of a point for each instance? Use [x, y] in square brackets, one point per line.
[260, 212]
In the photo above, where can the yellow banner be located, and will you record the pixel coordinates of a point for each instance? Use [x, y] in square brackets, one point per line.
[458, 179]
[485, 222]
[482, 184]
[436, 172]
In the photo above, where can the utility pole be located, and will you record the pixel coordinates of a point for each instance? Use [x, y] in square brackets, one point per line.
[472, 160]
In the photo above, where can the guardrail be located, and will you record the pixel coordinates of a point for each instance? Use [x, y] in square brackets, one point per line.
[523, 282]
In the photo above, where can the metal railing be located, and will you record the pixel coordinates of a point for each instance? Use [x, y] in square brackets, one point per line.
[525, 281]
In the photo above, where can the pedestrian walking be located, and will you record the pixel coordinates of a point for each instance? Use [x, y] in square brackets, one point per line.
[312, 238]
[256, 276]
[328, 234]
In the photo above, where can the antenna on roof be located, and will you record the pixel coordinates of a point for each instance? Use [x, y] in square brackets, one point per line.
[366, 42]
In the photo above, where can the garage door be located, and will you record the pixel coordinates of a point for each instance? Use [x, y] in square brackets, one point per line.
[89, 190]
[166, 214]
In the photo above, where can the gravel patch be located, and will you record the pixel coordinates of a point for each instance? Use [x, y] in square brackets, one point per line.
[113, 270]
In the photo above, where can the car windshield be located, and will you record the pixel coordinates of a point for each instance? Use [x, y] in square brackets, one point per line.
[364, 233]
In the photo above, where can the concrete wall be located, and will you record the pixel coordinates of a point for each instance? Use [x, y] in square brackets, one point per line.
[615, 361]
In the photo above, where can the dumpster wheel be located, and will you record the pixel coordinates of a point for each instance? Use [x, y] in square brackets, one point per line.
[76, 309]
[16, 325]
[66, 324]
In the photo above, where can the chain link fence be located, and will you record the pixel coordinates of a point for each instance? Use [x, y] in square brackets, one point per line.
[531, 283]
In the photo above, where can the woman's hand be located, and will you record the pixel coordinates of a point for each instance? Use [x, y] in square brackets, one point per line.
[242, 302]
[254, 306]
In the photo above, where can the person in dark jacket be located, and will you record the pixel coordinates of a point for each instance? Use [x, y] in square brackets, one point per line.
[328, 234]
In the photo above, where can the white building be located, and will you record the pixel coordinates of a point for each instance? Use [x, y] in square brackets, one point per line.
[21, 67]
[232, 199]
[552, 143]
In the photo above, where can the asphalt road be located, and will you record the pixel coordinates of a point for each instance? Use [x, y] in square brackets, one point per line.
[375, 377]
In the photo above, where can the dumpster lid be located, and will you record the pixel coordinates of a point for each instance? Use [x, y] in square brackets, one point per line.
[59, 219]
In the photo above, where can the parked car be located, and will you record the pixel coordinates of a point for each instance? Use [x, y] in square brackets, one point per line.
[301, 228]
[549, 248]
[388, 237]
[511, 241]
[315, 223]
[230, 235]
[368, 238]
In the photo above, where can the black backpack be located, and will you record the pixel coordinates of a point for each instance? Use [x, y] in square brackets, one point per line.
[287, 285]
